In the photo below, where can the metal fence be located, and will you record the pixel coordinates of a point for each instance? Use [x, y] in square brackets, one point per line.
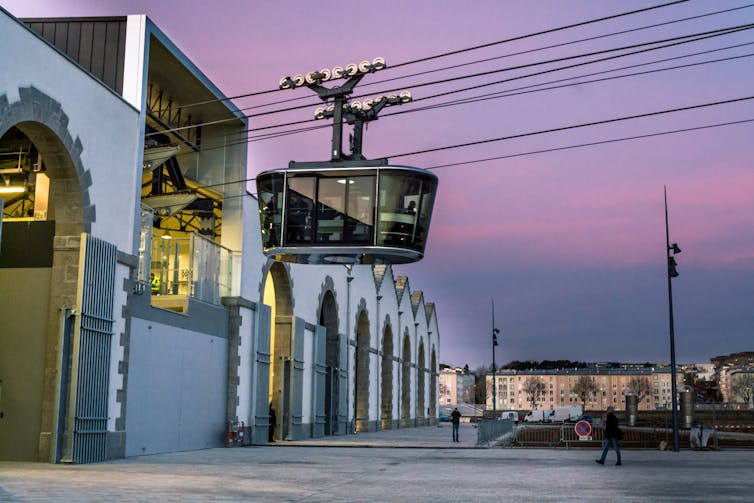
[564, 435]
[489, 431]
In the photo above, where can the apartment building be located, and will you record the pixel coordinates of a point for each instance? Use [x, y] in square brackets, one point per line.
[652, 384]
[456, 386]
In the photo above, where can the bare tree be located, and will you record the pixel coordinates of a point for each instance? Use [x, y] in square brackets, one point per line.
[640, 386]
[743, 386]
[534, 389]
[480, 384]
[585, 387]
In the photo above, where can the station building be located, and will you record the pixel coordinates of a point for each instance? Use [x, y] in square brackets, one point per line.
[139, 314]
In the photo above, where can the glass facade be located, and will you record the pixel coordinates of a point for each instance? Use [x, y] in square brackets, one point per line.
[193, 266]
[361, 212]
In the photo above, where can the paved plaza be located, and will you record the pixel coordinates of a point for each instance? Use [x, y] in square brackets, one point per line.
[416, 464]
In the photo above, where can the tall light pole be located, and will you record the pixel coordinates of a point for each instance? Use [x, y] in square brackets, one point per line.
[495, 331]
[672, 273]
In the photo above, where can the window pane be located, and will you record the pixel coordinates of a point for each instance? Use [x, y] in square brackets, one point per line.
[299, 210]
[400, 199]
[331, 210]
[360, 209]
[428, 190]
[270, 194]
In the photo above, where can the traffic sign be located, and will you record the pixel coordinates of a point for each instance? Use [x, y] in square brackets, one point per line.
[583, 429]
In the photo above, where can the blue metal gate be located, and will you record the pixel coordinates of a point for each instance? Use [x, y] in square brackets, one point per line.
[260, 432]
[296, 384]
[343, 388]
[320, 381]
[86, 425]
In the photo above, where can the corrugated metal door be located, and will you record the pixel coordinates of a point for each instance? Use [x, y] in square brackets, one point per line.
[86, 426]
[342, 385]
[262, 407]
[320, 381]
[297, 380]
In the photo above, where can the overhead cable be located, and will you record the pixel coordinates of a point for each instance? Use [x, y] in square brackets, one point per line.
[518, 53]
[675, 41]
[520, 37]
[573, 126]
[592, 144]
[553, 46]
[542, 86]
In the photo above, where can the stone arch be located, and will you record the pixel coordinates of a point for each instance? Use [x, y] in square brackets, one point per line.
[361, 390]
[328, 318]
[283, 283]
[421, 365]
[386, 397]
[406, 381]
[43, 121]
[277, 293]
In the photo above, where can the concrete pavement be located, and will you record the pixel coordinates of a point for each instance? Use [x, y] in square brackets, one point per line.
[344, 470]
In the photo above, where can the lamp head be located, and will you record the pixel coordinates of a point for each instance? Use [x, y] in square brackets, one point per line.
[674, 248]
[672, 272]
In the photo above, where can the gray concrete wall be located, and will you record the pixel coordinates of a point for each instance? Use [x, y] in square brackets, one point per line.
[176, 397]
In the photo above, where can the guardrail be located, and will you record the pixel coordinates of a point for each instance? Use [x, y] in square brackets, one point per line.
[489, 431]
[564, 435]
[651, 437]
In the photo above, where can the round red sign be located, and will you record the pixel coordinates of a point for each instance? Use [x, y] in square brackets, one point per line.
[583, 428]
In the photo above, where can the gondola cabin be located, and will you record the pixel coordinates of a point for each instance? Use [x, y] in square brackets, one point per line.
[336, 214]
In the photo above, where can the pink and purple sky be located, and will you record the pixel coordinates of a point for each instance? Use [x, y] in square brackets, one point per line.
[570, 244]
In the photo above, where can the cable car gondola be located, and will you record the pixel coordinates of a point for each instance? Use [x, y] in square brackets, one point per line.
[356, 212]
[349, 210]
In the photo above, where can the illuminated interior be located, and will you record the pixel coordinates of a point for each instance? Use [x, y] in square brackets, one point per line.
[24, 184]
[269, 299]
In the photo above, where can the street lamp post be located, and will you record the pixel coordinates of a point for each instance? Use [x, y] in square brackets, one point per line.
[672, 273]
[495, 331]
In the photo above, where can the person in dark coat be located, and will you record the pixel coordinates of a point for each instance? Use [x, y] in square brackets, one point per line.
[455, 418]
[273, 422]
[612, 436]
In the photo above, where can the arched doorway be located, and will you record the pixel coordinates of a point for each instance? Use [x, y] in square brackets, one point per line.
[386, 397]
[421, 365]
[433, 388]
[328, 318]
[41, 279]
[361, 395]
[277, 295]
[406, 382]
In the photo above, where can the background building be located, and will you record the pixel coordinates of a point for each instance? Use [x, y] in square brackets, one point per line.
[560, 387]
[456, 387]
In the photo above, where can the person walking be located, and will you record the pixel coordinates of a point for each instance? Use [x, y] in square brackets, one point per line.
[455, 418]
[612, 435]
